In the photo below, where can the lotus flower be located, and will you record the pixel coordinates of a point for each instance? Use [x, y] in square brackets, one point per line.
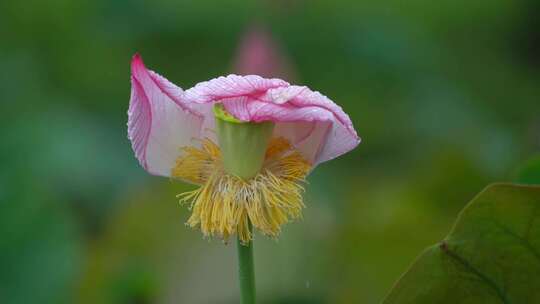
[248, 141]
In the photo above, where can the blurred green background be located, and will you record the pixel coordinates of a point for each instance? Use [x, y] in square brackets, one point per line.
[445, 95]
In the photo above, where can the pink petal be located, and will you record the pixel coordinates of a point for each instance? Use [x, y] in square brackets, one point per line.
[231, 86]
[342, 136]
[160, 121]
[317, 127]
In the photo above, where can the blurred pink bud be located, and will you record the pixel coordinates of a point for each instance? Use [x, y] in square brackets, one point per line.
[258, 53]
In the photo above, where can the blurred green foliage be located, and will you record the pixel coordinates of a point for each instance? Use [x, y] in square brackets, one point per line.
[444, 95]
[529, 172]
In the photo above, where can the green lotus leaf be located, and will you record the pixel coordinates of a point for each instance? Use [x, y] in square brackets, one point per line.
[492, 254]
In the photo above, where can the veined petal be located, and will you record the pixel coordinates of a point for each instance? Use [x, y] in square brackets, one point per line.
[316, 126]
[160, 121]
[342, 136]
[231, 86]
[282, 95]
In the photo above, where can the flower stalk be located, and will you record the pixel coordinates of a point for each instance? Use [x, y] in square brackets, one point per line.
[246, 271]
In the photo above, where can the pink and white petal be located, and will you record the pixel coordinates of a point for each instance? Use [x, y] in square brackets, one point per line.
[238, 107]
[301, 96]
[296, 131]
[314, 98]
[174, 92]
[202, 110]
[262, 111]
[282, 95]
[231, 86]
[339, 141]
[308, 138]
[159, 120]
[341, 137]
[319, 140]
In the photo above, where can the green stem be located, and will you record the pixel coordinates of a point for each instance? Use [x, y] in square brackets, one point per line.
[246, 272]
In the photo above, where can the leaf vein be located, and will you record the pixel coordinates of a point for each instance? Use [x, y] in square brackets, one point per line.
[523, 241]
[501, 294]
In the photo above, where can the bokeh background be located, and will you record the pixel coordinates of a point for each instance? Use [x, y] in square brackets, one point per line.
[445, 95]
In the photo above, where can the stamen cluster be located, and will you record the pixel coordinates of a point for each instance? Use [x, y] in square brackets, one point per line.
[225, 204]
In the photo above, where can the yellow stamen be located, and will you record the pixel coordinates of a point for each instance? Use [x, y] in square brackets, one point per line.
[225, 204]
